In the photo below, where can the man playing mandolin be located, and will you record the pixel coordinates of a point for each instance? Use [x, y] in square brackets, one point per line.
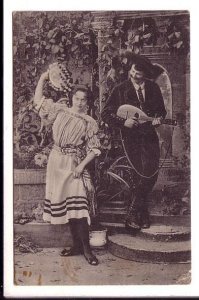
[140, 138]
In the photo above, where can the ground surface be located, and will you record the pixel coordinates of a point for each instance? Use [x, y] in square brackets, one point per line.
[48, 268]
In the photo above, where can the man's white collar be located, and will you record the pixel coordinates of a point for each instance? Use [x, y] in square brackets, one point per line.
[137, 86]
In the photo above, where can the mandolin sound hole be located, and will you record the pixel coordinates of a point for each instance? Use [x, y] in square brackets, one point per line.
[136, 115]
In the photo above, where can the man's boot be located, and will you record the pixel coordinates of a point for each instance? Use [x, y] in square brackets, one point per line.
[144, 218]
[132, 221]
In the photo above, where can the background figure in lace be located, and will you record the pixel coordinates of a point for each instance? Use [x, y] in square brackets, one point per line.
[141, 140]
[69, 190]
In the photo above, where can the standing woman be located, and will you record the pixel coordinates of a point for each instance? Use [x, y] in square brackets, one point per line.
[69, 190]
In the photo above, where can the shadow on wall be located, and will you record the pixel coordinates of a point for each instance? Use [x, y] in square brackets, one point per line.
[165, 131]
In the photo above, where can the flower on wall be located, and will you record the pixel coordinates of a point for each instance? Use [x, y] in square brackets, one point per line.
[40, 159]
[136, 33]
[30, 142]
[177, 39]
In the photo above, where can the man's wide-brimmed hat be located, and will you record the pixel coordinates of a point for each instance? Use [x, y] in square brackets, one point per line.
[151, 71]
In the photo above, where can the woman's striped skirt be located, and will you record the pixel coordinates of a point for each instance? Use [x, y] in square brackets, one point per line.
[66, 197]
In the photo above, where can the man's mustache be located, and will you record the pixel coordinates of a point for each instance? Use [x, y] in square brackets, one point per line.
[136, 77]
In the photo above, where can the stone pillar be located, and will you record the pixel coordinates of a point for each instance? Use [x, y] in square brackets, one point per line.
[179, 111]
[187, 112]
[108, 46]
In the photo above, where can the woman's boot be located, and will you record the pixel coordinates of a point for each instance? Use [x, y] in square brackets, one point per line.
[83, 231]
[77, 247]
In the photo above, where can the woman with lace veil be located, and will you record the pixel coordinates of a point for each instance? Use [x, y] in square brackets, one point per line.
[69, 189]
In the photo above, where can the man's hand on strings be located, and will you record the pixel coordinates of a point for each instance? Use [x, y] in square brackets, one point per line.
[157, 122]
[131, 123]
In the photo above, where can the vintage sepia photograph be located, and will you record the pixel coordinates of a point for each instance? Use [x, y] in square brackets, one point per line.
[101, 153]
[101, 148]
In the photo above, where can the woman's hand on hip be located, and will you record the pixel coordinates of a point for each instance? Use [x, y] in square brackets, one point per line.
[78, 171]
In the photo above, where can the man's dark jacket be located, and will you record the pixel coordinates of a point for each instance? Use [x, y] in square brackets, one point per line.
[125, 93]
[141, 143]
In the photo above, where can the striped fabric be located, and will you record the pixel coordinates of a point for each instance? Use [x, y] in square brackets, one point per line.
[59, 213]
[68, 197]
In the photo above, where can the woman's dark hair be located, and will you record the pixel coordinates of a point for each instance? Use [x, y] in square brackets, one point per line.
[89, 95]
[81, 88]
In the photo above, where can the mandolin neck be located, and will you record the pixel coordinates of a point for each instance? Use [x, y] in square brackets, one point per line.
[165, 121]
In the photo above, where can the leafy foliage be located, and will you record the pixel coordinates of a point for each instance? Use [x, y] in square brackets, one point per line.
[40, 38]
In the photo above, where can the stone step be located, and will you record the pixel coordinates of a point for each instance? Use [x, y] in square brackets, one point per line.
[118, 216]
[48, 235]
[156, 232]
[45, 235]
[115, 205]
[143, 250]
[166, 233]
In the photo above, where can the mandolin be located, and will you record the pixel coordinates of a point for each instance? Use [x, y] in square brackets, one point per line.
[126, 111]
